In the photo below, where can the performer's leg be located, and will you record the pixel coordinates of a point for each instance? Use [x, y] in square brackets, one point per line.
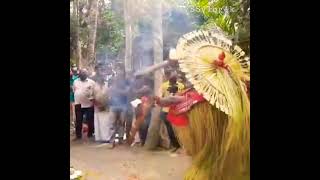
[73, 113]
[122, 120]
[128, 122]
[173, 139]
[97, 126]
[138, 120]
[111, 125]
[117, 122]
[103, 125]
[141, 135]
[78, 122]
[90, 119]
[144, 128]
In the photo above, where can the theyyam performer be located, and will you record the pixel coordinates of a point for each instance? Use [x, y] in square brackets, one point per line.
[212, 119]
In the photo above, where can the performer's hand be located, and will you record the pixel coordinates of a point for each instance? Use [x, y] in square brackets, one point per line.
[156, 99]
[144, 89]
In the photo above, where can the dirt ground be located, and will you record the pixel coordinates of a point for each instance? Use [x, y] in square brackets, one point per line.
[126, 163]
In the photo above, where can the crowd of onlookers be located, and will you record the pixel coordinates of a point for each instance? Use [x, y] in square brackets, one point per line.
[114, 106]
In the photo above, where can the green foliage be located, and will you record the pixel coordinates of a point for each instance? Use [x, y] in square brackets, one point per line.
[232, 16]
[223, 13]
[110, 30]
[110, 33]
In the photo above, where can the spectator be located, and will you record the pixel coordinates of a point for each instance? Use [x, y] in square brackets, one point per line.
[144, 91]
[135, 84]
[73, 77]
[83, 92]
[101, 113]
[119, 102]
[146, 94]
[99, 74]
[170, 87]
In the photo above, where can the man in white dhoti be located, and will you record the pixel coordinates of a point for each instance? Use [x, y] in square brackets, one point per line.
[104, 127]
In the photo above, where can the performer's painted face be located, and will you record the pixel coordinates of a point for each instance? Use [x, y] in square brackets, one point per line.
[173, 78]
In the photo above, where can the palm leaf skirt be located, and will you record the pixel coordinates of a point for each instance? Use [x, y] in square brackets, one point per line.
[208, 138]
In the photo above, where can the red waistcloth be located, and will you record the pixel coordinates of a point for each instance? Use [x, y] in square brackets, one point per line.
[177, 120]
[177, 113]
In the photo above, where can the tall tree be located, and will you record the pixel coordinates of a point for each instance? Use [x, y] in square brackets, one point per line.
[77, 34]
[128, 28]
[109, 36]
[93, 19]
[154, 129]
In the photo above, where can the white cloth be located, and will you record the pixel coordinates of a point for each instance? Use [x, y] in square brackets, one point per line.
[101, 126]
[110, 128]
[101, 118]
[135, 103]
[83, 92]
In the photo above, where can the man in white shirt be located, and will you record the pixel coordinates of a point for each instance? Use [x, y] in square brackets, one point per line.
[83, 94]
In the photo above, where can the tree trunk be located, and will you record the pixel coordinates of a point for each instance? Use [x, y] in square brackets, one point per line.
[128, 28]
[93, 18]
[78, 48]
[153, 137]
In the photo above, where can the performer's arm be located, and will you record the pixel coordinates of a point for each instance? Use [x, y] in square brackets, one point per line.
[152, 68]
[169, 100]
[145, 89]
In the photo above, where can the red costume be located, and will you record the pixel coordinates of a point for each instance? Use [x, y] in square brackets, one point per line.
[177, 113]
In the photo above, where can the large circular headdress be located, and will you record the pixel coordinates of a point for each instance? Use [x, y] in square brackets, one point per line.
[207, 57]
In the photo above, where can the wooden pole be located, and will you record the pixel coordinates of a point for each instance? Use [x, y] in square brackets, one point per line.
[128, 29]
[153, 136]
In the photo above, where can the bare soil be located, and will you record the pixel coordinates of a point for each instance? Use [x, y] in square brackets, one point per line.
[126, 163]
